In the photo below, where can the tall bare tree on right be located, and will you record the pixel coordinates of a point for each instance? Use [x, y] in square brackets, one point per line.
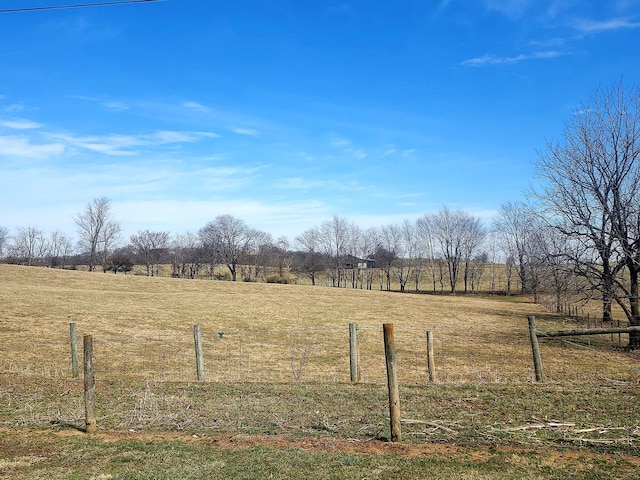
[591, 193]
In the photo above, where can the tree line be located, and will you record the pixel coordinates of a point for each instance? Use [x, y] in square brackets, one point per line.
[448, 241]
[577, 233]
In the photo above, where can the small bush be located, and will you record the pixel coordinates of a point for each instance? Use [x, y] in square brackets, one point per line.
[226, 276]
[277, 279]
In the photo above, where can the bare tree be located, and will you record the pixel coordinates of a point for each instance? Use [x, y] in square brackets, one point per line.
[149, 247]
[457, 234]
[311, 260]
[591, 191]
[476, 271]
[29, 246]
[186, 255]
[4, 235]
[334, 240]
[407, 248]
[230, 238]
[108, 240]
[120, 260]
[473, 237]
[515, 227]
[261, 254]
[387, 252]
[369, 240]
[97, 228]
[556, 274]
[59, 249]
[493, 260]
[425, 229]
[210, 240]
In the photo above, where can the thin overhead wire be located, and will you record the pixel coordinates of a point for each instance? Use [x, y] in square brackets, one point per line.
[78, 5]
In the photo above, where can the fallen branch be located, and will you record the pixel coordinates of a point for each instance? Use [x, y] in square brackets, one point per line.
[537, 426]
[431, 424]
[599, 441]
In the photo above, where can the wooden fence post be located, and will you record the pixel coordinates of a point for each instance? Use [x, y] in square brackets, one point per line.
[431, 365]
[535, 349]
[392, 382]
[75, 371]
[89, 386]
[197, 339]
[353, 352]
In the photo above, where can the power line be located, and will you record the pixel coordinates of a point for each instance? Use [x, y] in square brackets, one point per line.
[78, 5]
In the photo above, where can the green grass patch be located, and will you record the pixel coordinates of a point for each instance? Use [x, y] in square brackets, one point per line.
[53, 455]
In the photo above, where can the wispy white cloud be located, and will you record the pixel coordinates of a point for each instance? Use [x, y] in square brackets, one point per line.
[116, 106]
[299, 183]
[195, 106]
[21, 146]
[550, 42]
[337, 141]
[347, 147]
[169, 136]
[358, 153]
[491, 60]
[307, 157]
[246, 131]
[513, 9]
[595, 26]
[286, 217]
[109, 104]
[114, 145]
[20, 124]
[126, 145]
[390, 150]
[14, 107]
[234, 121]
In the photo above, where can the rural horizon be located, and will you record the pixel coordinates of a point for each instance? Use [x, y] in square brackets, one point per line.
[338, 239]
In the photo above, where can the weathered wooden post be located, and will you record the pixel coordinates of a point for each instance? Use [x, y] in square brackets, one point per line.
[392, 382]
[353, 352]
[535, 349]
[75, 371]
[431, 364]
[89, 385]
[197, 339]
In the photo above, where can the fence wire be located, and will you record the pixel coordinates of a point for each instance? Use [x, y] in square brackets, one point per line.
[299, 381]
[473, 354]
[314, 356]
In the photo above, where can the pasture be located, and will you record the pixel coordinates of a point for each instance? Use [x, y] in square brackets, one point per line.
[277, 401]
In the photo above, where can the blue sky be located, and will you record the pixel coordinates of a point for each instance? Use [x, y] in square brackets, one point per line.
[285, 113]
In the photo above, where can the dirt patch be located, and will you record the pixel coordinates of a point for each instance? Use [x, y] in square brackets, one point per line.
[11, 449]
[476, 454]
[369, 447]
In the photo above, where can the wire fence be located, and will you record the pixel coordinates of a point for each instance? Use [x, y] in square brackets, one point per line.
[473, 354]
[300, 381]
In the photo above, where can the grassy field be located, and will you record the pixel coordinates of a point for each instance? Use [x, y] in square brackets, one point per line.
[277, 401]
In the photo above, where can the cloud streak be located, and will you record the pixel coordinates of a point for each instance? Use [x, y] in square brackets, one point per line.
[22, 147]
[494, 60]
[126, 145]
[20, 124]
[594, 26]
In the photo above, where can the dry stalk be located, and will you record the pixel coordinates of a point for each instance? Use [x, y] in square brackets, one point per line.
[299, 358]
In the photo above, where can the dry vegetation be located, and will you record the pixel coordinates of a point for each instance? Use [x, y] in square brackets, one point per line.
[276, 360]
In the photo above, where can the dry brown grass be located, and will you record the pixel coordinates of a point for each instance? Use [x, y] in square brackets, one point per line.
[281, 367]
[142, 326]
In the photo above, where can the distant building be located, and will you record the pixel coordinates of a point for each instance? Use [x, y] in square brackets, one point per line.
[351, 261]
